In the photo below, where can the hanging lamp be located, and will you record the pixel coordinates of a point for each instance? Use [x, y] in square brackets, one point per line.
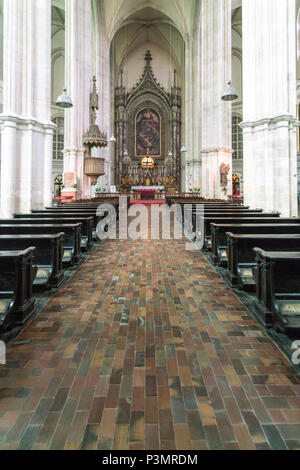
[230, 93]
[64, 100]
[169, 159]
[126, 159]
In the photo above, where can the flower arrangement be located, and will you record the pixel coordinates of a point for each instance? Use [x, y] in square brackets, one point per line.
[195, 190]
[224, 189]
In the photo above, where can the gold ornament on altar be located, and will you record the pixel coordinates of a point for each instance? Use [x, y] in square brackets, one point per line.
[169, 182]
[148, 162]
[126, 184]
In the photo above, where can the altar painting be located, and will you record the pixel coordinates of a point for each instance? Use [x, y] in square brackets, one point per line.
[148, 133]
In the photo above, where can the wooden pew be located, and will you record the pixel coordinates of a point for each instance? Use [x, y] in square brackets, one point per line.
[47, 256]
[71, 240]
[85, 210]
[241, 255]
[187, 208]
[17, 274]
[194, 208]
[215, 211]
[198, 200]
[75, 213]
[222, 214]
[277, 301]
[86, 225]
[74, 207]
[233, 207]
[251, 219]
[236, 214]
[219, 239]
[90, 210]
[60, 215]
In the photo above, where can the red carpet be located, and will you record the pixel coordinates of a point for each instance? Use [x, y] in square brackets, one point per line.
[148, 202]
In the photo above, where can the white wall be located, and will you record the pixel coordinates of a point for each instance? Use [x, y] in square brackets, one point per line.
[237, 80]
[131, 43]
[57, 71]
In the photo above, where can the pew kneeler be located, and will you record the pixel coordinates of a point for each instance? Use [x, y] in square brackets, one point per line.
[17, 274]
[48, 256]
[277, 301]
[242, 258]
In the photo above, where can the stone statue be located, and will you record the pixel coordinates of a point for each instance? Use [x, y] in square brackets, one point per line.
[224, 171]
[126, 184]
[126, 180]
[94, 103]
[171, 181]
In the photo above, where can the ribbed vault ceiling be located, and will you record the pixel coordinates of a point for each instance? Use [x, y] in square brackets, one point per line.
[180, 12]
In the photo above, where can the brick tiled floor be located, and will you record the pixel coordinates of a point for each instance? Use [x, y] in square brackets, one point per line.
[147, 348]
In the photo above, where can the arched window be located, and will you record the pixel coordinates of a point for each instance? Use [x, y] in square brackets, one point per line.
[58, 138]
[237, 138]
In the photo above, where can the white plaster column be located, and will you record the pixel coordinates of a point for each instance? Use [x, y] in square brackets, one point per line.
[26, 160]
[298, 143]
[191, 135]
[106, 88]
[270, 150]
[79, 73]
[105, 113]
[216, 114]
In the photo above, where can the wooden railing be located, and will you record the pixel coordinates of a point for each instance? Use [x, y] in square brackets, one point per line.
[182, 195]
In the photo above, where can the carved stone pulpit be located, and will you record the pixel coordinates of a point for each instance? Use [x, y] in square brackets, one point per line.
[94, 166]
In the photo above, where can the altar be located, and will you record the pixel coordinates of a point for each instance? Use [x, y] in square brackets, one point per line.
[147, 151]
[147, 193]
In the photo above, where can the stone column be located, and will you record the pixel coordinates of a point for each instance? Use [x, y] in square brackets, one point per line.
[191, 115]
[105, 89]
[120, 104]
[216, 114]
[26, 129]
[270, 152]
[298, 141]
[79, 76]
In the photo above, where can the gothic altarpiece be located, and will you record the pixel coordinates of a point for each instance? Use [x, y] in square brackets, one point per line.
[148, 127]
